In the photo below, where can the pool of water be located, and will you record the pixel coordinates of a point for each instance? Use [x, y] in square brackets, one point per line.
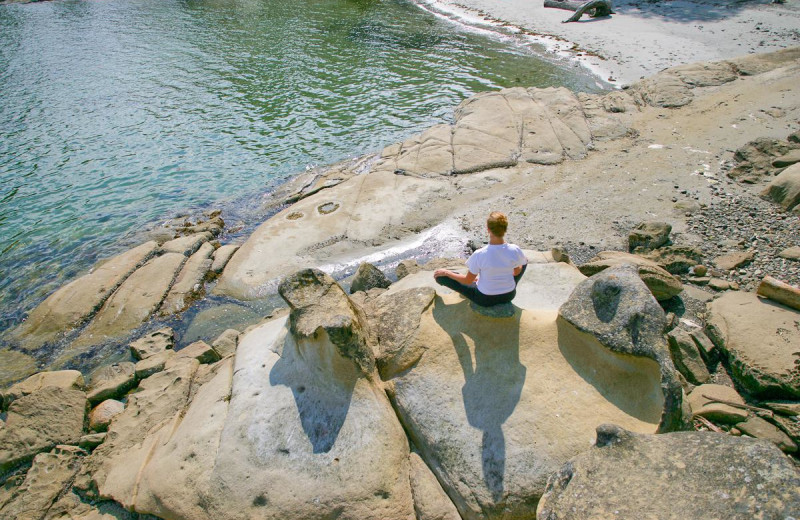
[115, 114]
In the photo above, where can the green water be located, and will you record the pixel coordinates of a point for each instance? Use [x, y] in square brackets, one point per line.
[117, 114]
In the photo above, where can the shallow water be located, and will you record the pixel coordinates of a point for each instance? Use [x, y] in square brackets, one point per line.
[118, 114]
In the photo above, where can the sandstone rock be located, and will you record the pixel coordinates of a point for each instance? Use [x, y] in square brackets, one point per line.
[226, 343]
[153, 343]
[662, 284]
[406, 267]
[791, 253]
[76, 302]
[649, 235]
[199, 350]
[718, 284]
[214, 226]
[133, 302]
[111, 381]
[50, 476]
[430, 500]
[687, 358]
[666, 90]
[151, 365]
[787, 159]
[759, 339]
[704, 345]
[678, 259]
[755, 159]
[92, 440]
[188, 285]
[368, 277]
[788, 408]
[780, 292]
[61, 379]
[687, 475]
[486, 431]
[753, 64]
[609, 116]
[222, 256]
[39, 421]
[14, 366]
[704, 402]
[186, 245]
[102, 414]
[705, 74]
[734, 260]
[785, 188]
[761, 429]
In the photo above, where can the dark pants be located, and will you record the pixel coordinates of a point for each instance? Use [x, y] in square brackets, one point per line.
[472, 293]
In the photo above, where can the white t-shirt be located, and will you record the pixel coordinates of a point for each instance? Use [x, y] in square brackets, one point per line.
[494, 265]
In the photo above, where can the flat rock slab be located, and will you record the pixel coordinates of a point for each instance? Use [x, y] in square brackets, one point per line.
[36, 382]
[77, 301]
[686, 475]
[189, 283]
[760, 339]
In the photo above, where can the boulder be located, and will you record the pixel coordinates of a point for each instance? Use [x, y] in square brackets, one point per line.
[759, 339]
[430, 500]
[199, 350]
[617, 309]
[761, 429]
[222, 256]
[662, 284]
[133, 302]
[186, 245]
[734, 260]
[687, 358]
[529, 392]
[47, 480]
[780, 292]
[678, 259]
[73, 304]
[709, 401]
[368, 277]
[153, 343]
[151, 365]
[686, 475]
[111, 381]
[102, 414]
[785, 188]
[226, 343]
[188, 285]
[92, 440]
[649, 235]
[61, 379]
[406, 267]
[39, 421]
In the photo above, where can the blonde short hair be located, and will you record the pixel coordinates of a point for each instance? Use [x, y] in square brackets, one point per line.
[497, 224]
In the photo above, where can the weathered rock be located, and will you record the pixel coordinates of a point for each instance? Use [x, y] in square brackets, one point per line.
[780, 292]
[616, 307]
[788, 408]
[151, 365]
[111, 381]
[787, 159]
[188, 285]
[153, 343]
[76, 302]
[214, 226]
[485, 431]
[705, 402]
[687, 358]
[761, 429]
[678, 259]
[430, 500]
[704, 345]
[734, 260]
[226, 343]
[662, 284]
[14, 366]
[39, 421]
[186, 245]
[199, 350]
[102, 414]
[368, 277]
[649, 235]
[406, 267]
[755, 159]
[686, 475]
[50, 477]
[92, 440]
[61, 379]
[758, 63]
[705, 74]
[222, 256]
[785, 188]
[665, 89]
[791, 253]
[609, 116]
[759, 339]
[133, 302]
[718, 284]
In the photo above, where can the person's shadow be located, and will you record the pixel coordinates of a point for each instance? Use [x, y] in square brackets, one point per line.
[493, 383]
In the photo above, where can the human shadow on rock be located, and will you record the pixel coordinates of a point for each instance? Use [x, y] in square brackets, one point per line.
[493, 379]
[322, 384]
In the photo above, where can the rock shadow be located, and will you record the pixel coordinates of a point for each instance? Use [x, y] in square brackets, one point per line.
[322, 384]
[493, 378]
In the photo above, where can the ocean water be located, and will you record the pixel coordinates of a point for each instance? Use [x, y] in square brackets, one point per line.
[118, 114]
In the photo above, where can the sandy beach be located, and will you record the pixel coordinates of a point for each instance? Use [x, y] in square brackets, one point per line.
[642, 37]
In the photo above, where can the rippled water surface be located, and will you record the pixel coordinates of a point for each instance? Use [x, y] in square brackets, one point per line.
[115, 114]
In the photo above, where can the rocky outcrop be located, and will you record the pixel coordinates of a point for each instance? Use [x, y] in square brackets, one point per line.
[760, 342]
[189, 283]
[661, 283]
[686, 475]
[368, 277]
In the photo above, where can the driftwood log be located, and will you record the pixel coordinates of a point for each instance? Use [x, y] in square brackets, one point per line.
[594, 8]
